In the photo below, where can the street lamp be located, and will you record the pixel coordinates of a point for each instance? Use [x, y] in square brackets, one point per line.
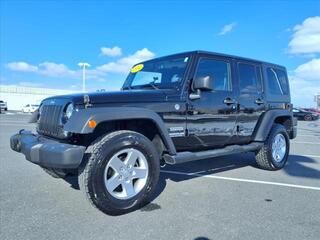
[83, 66]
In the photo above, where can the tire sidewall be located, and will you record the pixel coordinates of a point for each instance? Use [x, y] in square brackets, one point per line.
[102, 198]
[278, 129]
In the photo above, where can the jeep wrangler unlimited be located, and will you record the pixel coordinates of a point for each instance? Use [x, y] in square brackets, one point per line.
[173, 109]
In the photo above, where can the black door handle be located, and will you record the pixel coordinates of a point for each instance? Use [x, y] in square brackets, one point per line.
[259, 101]
[229, 101]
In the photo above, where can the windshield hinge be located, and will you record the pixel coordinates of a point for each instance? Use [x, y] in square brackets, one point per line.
[86, 101]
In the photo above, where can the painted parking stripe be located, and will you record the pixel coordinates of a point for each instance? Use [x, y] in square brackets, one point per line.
[299, 142]
[15, 125]
[306, 155]
[243, 180]
[307, 135]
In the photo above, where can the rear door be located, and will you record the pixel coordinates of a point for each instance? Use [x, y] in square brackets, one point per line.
[251, 102]
[211, 118]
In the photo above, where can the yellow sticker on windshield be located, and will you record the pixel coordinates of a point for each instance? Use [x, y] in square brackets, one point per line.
[137, 68]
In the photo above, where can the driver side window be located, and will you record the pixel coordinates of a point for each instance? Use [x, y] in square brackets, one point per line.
[218, 71]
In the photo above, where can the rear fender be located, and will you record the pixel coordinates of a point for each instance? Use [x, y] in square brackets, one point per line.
[266, 121]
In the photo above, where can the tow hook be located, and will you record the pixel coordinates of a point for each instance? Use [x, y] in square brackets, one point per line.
[162, 163]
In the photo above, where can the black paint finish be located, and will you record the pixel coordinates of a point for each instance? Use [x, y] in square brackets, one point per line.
[214, 119]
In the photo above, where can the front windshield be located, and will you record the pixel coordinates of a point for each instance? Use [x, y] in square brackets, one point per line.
[162, 73]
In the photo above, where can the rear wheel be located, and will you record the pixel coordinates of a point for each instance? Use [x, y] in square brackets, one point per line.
[274, 153]
[308, 117]
[121, 172]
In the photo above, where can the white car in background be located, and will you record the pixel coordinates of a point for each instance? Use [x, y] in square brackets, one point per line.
[3, 106]
[30, 108]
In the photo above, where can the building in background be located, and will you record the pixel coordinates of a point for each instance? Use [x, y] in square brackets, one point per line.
[317, 100]
[17, 96]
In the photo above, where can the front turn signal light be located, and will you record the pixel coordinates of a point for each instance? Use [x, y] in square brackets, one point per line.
[92, 123]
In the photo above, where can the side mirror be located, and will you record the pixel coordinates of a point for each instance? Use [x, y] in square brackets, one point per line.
[204, 83]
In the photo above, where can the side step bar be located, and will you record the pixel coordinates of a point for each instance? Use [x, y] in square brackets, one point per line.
[182, 157]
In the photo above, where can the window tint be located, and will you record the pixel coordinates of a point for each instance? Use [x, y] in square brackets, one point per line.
[282, 77]
[259, 78]
[218, 71]
[250, 81]
[277, 81]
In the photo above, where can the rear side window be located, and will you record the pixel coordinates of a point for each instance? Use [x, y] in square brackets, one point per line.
[249, 77]
[277, 81]
[218, 70]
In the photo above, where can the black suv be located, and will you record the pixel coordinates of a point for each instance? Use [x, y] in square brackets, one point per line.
[173, 109]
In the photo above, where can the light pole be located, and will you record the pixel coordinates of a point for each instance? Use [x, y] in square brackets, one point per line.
[83, 66]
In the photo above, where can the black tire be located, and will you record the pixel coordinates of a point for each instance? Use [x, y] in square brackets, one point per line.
[55, 173]
[99, 153]
[6, 109]
[264, 156]
[308, 118]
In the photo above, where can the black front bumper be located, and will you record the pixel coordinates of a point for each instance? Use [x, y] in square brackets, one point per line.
[46, 152]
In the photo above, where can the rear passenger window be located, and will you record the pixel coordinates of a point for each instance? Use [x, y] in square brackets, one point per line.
[277, 81]
[249, 77]
[219, 71]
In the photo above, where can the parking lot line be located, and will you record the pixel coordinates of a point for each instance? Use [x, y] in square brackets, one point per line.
[299, 142]
[243, 180]
[308, 155]
[306, 135]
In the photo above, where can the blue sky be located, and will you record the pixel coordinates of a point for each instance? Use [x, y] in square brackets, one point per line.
[43, 41]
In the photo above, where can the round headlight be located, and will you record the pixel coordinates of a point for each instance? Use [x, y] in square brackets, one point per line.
[69, 110]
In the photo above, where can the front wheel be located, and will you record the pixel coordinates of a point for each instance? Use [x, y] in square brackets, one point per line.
[121, 172]
[274, 153]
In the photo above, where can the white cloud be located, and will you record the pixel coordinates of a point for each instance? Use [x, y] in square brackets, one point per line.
[304, 83]
[306, 37]
[309, 71]
[52, 69]
[59, 70]
[124, 64]
[21, 67]
[227, 28]
[113, 52]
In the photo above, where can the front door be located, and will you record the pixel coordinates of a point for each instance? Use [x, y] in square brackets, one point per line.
[211, 118]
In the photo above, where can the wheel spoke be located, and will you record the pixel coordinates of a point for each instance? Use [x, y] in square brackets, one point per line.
[125, 172]
[128, 188]
[131, 158]
[113, 183]
[279, 147]
[116, 164]
[140, 173]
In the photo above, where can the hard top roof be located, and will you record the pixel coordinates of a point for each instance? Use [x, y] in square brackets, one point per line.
[220, 55]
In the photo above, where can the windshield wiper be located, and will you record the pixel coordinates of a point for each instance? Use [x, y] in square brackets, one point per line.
[151, 84]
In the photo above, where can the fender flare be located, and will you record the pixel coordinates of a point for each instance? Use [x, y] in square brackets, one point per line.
[78, 123]
[266, 121]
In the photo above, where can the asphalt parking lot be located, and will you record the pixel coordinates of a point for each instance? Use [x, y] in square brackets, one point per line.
[221, 198]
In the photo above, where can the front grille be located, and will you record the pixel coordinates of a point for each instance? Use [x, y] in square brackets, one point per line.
[50, 120]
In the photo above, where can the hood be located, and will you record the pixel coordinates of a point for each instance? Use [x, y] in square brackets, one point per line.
[125, 96]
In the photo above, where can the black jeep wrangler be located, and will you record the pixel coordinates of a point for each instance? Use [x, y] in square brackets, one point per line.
[173, 109]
